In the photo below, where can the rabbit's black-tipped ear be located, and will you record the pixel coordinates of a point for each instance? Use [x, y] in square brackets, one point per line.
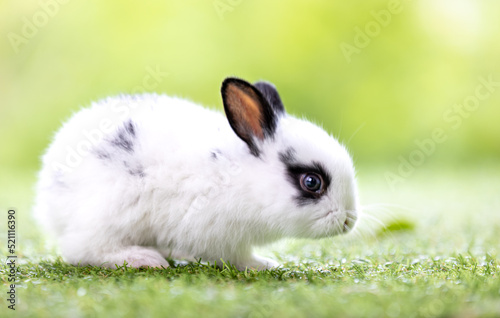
[249, 113]
[271, 94]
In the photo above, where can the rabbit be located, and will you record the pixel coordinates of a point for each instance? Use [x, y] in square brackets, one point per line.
[136, 179]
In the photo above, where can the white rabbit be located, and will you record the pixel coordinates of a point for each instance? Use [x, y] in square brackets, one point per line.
[140, 178]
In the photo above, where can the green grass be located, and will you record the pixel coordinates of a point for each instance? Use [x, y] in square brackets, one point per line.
[436, 257]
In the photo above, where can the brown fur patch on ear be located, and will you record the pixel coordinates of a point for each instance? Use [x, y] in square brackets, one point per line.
[246, 107]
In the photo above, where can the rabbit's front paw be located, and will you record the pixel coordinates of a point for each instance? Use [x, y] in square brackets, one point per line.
[138, 256]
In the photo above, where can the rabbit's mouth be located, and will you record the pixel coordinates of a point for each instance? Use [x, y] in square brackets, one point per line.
[342, 227]
[349, 222]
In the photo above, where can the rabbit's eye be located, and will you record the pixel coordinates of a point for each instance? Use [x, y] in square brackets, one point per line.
[312, 182]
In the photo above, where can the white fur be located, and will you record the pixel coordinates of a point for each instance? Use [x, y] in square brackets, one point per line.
[179, 199]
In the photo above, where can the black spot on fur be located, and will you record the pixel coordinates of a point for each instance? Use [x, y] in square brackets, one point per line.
[57, 180]
[122, 142]
[130, 128]
[101, 154]
[294, 172]
[125, 136]
[136, 171]
[254, 150]
[215, 154]
[288, 156]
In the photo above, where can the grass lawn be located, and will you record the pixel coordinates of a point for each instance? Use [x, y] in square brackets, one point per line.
[436, 257]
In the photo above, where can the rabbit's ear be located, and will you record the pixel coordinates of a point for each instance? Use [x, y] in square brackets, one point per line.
[249, 113]
[271, 94]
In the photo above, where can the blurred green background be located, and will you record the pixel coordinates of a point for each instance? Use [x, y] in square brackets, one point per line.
[376, 74]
